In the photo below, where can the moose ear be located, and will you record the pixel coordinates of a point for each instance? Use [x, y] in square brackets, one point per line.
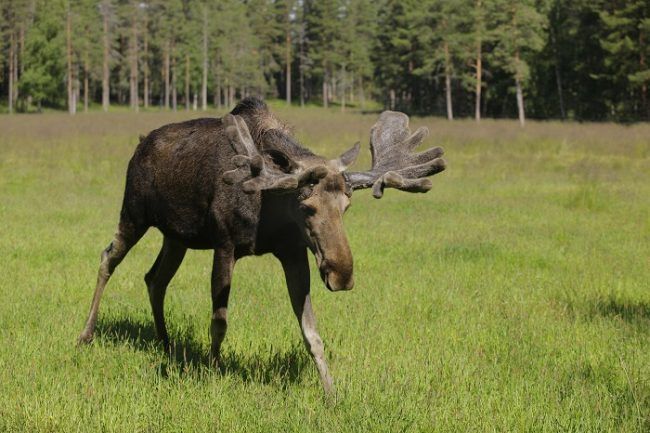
[347, 158]
[281, 161]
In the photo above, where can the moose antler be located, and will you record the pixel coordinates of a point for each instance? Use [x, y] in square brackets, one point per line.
[393, 163]
[253, 170]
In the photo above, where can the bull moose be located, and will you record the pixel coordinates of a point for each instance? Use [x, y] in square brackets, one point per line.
[241, 185]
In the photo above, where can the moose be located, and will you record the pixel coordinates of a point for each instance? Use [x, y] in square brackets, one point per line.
[242, 185]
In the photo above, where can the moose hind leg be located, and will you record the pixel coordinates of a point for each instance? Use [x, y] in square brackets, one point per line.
[157, 279]
[296, 271]
[222, 268]
[127, 236]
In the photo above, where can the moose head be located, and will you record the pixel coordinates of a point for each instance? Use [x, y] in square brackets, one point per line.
[319, 190]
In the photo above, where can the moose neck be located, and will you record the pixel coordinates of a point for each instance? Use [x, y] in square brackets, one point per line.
[277, 229]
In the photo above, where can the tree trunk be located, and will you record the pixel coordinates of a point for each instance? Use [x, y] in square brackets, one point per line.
[145, 62]
[86, 86]
[15, 72]
[10, 96]
[558, 77]
[105, 68]
[479, 78]
[325, 96]
[133, 95]
[22, 48]
[173, 85]
[224, 94]
[288, 60]
[204, 82]
[166, 72]
[301, 67]
[520, 102]
[218, 93]
[479, 63]
[19, 61]
[362, 93]
[72, 104]
[187, 82]
[520, 93]
[450, 109]
[342, 89]
[645, 109]
[558, 81]
[392, 99]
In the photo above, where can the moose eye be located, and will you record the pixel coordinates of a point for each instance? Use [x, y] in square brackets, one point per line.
[305, 193]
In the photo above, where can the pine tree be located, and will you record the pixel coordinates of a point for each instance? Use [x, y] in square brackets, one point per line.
[241, 59]
[17, 15]
[478, 37]
[87, 38]
[521, 32]
[145, 58]
[132, 10]
[107, 12]
[360, 29]
[203, 14]
[625, 43]
[45, 60]
[167, 20]
[265, 29]
[396, 54]
[440, 35]
[323, 29]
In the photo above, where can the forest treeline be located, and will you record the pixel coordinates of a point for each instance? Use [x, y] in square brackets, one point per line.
[568, 59]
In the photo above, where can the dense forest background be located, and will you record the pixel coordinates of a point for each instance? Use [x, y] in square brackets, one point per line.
[568, 59]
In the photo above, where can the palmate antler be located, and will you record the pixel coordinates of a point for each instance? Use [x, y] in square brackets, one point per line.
[252, 169]
[393, 163]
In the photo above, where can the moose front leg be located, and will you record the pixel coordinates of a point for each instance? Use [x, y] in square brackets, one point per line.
[224, 261]
[296, 271]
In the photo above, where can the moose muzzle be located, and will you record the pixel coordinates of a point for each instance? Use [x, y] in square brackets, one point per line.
[337, 275]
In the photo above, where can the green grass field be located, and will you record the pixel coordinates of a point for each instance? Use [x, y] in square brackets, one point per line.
[514, 296]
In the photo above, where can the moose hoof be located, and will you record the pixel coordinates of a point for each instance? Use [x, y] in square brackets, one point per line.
[85, 338]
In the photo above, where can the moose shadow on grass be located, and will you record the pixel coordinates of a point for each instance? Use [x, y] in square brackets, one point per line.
[630, 311]
[188, 355]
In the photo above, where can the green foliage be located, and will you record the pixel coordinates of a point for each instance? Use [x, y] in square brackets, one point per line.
[520, 33]
[396, 43]
[44, 76]
[238, 47]
[625, 43]
[438, 25]
[87, 34]
[578, 59]
[324, 27]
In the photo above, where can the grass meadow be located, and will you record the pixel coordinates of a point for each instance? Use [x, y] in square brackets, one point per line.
[514, 296]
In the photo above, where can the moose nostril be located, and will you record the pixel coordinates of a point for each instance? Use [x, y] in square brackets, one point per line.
[324, 267]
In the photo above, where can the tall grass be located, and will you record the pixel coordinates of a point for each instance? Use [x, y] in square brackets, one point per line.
[512, 297]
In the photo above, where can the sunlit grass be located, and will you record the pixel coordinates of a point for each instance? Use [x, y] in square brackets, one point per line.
[512, 297]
